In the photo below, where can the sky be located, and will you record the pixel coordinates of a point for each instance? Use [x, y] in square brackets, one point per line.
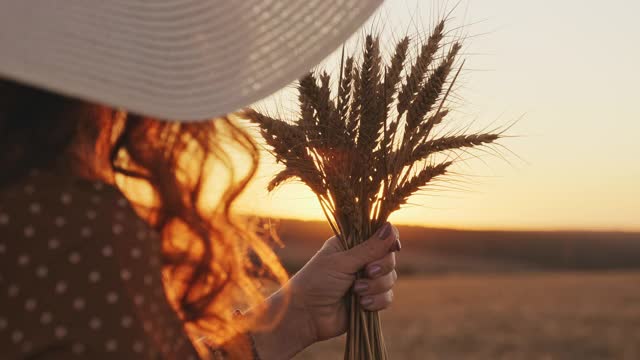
[563, 73]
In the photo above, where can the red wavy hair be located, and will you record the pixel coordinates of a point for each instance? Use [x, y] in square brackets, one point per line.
[211, 259]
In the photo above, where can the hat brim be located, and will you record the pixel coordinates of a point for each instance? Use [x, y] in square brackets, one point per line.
[176, 60]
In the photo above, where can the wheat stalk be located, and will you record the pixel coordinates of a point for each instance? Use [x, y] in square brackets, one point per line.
[357, 159]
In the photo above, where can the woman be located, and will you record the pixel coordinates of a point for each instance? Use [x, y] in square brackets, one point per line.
[110, 246]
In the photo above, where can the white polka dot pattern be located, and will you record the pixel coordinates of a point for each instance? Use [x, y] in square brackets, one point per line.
[53, 243]
[45, 318]
[94, 277]
[78, 348]
[34, 208]
[60, 221]
[13, 290]
[112, 297]
[83, 275]
[95, 323]
[42, 271]
[61, 287]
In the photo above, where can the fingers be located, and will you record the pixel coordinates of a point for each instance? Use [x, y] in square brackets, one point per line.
[381, 267]
[375, 292]
[384, 241]
[377, 302]
[382, 284]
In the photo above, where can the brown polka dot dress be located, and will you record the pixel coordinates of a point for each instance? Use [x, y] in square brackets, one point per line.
[80, 276]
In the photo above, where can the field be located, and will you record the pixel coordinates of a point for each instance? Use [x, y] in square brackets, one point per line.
[500, 295]
[510, 316]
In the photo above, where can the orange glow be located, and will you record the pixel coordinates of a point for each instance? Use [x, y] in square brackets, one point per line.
[574, 164]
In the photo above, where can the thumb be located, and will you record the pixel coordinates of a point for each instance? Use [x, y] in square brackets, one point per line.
[384, 241]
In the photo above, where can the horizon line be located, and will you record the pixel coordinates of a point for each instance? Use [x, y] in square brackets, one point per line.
[475, 228]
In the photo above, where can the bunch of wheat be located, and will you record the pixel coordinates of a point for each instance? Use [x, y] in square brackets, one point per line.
[361, 158]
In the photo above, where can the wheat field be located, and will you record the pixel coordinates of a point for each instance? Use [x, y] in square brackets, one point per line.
[510, 316]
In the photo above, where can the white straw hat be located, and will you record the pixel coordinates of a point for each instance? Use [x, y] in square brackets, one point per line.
[172, 59]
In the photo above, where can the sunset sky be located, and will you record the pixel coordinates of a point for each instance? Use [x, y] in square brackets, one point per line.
[568, 70]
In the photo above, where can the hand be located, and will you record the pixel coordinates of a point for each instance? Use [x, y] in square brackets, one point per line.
[317, 308]
[319, 288]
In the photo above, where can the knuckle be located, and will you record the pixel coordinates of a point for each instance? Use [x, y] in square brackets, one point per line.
[384, 301]
[380, 302]
[389, 263]
[385, 271]
[379, 286]
[387, 284]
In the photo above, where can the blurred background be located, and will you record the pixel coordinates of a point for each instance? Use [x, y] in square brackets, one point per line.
[531, 252]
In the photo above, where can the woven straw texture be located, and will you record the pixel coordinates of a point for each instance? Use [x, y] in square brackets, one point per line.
[172, 59]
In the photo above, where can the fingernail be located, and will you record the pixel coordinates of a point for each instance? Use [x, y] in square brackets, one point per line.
[385, 231]
[360, 286]
[366, 301]
[397, 246]
[374, 270]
